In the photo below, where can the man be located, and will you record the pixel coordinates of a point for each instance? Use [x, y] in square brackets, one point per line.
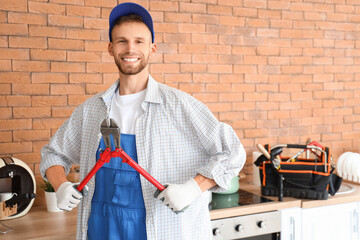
[174, 137]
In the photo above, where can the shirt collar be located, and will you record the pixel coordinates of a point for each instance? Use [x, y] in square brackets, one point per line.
[152, 92]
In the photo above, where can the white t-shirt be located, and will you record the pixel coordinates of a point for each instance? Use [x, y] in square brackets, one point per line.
[125, 109]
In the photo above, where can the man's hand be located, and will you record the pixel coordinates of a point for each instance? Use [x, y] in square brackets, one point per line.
[179, 196]
[68, 197]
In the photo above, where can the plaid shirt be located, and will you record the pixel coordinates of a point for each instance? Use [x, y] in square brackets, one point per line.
[177, 137]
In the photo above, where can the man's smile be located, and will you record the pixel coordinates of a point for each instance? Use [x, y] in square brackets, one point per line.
[130, 59]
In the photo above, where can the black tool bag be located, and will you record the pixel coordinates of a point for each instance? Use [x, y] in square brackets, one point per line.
[297, 176]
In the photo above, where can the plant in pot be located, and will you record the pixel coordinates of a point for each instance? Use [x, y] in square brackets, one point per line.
[50, 197]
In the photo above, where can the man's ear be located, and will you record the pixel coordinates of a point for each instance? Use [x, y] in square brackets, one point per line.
[153, 48]
[110, 49]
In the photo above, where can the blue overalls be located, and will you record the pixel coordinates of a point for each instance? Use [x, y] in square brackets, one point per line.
[117, 207]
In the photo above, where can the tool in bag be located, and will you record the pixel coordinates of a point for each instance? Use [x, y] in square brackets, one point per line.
[108, 128]
[297, 176]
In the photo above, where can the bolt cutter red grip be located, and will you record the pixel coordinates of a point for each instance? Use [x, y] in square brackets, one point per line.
[107, 154]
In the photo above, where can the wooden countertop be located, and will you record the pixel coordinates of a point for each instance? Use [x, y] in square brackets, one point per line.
[339, 197]
[43, 225]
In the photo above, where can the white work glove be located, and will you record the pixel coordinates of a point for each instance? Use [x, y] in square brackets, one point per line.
[179, 196]
[68, 197]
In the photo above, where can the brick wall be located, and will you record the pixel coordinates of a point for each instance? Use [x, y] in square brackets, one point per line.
[278, 71]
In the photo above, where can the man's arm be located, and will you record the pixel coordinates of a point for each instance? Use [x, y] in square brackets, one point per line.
[56, 176]
[204, 182]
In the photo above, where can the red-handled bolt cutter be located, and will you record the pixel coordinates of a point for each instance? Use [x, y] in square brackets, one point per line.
[109, 127]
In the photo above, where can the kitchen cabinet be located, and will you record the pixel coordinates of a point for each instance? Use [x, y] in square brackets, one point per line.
[333, 222]
[291, 223]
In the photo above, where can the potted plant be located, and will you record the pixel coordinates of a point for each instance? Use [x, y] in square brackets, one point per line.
[50, 196]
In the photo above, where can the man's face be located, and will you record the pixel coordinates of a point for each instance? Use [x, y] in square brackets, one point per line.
[131, 47]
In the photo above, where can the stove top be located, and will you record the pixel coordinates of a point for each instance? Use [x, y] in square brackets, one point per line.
[240, 198]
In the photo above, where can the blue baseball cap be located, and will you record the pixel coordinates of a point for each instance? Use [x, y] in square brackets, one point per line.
[128, 8]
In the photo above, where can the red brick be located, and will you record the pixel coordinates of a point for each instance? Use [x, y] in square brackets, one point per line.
[48, 101]
[266, 32]
[76, 100]
[27, 42]
[46, 31]
[92, 23]
[47, 8]
[83, 11]
[192, 7]
[164, 68]
[255, 3]
[49, 78]
[101, 68]
[46, 54]
[71, 2]
[191, 28]
[13, 29]
[164, 6]
[220, 68]
[204, 38]
[278, 5]
[222, 10]
[166, 27]
[177, 58]
[245, 69]
[57, 112]
[93, 89]
[6, 113]
[101, 3]
[75, 56]
[257, 60]
[206, 97]
[94, 46]
[83, 34]
[17, 147]
[67, 89]
[14, 101]
[245, 12]
[218, 49]
[67, 67]
[219, 107]
[5, 137]
[17, 6]
[85, 78]
[230, 78]
[258, 23]
[31, 135]
[269, 14]
[230, 97]
[4, 41]
[48, 123]
[67, 44]
[5, 89]
[255, 96]
[30, 89]
[218, 29]
[31, 66]
[65, 21]
[31, 112]
[11, 53]
[255, 133]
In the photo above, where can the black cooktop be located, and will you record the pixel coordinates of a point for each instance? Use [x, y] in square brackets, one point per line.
[240, 198]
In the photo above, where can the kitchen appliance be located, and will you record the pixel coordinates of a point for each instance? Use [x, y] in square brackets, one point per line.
[262, 226]
[17, 185]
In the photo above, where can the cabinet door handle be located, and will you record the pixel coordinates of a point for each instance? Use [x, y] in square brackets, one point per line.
[356, 221]
[292, 223]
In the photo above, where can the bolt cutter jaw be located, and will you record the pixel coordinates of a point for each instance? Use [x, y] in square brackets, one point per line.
[110, 127]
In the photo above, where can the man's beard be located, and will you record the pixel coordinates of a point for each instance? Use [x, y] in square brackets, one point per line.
[131, 70]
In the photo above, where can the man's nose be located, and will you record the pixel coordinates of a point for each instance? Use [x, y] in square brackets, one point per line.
[130, 46]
